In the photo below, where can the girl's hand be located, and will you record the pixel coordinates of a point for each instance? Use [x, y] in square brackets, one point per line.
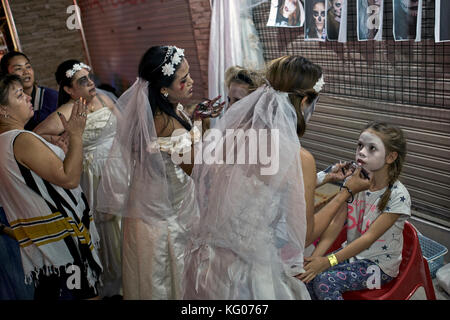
[77, 121]
[357, 182]
[207, 109]
[313, 266]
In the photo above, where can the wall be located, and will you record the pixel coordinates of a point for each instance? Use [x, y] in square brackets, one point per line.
[44, 36]
[127, 29]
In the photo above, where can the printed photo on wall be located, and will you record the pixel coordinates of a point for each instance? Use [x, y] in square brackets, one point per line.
[286, 13]
[407, 22]
[442, 21]
[336, 22]
[315, 16]
[370, 19]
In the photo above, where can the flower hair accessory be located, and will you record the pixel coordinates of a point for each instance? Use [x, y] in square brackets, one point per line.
[319, 84]
[168, 68]
[76, 67]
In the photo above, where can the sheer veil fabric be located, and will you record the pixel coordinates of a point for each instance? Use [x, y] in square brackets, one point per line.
[154, 195]
[249, 239]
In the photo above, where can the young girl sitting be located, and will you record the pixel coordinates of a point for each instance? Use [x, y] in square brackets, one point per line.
[375, 220]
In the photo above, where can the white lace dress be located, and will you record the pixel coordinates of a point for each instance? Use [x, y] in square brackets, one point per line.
[153, 253]
[97, 140]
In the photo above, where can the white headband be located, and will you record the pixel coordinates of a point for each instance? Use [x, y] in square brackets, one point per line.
[76, 67]
[168, 69]
[319, 84]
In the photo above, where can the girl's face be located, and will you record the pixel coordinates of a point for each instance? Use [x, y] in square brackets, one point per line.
[371, 152]
[289, 7]
[19, 104]
[182, 87]
[319, 15]
[236, 92]
[82, 86]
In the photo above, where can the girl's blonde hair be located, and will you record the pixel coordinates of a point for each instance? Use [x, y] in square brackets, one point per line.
[394, 141]
[239, 74]
[297, 76]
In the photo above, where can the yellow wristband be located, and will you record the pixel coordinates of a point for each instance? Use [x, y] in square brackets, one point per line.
[333, 260]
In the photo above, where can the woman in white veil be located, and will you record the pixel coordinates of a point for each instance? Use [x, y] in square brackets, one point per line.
[146, 177]
[250, 238]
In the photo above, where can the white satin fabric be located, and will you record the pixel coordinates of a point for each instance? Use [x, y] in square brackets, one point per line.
[98, 136]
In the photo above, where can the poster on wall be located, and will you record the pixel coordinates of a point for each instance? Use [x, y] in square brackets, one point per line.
[286, 13]
[336, 21]
[315, 16]
[407, 22]
[442, 21]
[369, 20]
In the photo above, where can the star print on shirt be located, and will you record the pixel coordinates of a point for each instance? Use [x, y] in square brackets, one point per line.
[368, 193]
[388, 208]
[384, 247]
[388, 256]
[402, 199]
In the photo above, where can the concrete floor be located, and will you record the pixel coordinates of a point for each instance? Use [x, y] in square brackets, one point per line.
[440, 293]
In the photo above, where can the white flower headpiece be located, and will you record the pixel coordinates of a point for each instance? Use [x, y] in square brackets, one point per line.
[76, 67]
[168, 68]
[319, 84]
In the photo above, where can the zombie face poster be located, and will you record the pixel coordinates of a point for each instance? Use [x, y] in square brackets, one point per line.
[442, 21]
[369, 19]
[407, 19]
[286, 13]
[315, 20]
[336, 21]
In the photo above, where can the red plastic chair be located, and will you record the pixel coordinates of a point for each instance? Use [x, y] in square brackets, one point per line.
[413, 273]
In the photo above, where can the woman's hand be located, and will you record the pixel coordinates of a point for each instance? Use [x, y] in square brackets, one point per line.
[357, 182]
[208, 109]
[313, 266]
[77, 121]
[61, 141]
[339, 172]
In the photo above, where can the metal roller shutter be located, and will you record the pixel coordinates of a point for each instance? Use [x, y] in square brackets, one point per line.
[335, 126]
[118, 34]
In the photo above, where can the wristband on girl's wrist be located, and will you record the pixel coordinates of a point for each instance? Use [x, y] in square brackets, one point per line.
[349, 191]
[332, 259]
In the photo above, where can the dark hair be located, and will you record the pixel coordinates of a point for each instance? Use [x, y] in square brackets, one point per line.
[6, 81]
[62, 80]
[4, 63]
[394, 141]
[150, 69]
[297, 76]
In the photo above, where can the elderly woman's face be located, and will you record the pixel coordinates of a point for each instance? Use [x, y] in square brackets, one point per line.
[19, 104]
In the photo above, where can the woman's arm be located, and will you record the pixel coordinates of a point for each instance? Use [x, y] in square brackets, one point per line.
[317, 265]
[309, 182]
[52, 125]
[328, 237]
[35, 155]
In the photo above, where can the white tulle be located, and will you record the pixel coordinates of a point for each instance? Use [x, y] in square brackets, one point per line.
[248, 242]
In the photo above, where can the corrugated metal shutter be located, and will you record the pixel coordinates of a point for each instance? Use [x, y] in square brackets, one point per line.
[119, 33]
[335, 126]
